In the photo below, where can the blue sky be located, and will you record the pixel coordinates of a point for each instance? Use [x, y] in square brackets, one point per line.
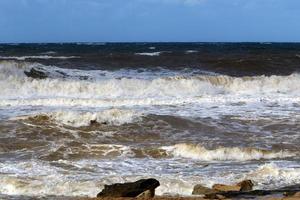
[149, 20]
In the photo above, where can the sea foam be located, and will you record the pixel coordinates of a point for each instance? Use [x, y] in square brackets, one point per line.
[149, 53]
[44, 57]
[79, 87]
[79, 119]
[199, 152]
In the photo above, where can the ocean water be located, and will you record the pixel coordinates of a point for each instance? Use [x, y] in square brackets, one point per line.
[183, 113]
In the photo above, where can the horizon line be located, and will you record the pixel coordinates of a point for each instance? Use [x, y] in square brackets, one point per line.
[140, 42]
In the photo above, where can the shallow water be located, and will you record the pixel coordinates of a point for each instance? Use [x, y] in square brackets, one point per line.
[83, 127]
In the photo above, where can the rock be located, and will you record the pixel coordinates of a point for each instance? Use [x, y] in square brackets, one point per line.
[292, 194]
[132, 189]
[34, 73]
[244, 186]
[201, 190]
[226, 188]
[214, 196]
[297, 194]
[147, 194]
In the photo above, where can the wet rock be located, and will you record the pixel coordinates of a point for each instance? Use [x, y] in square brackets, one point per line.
[297, 194]
[244, 186]
[35, 73]
[291, 194]
[201, 190]
[214, 196]
[257, 193]
[147, 194]
[226, 188]
[132, 189]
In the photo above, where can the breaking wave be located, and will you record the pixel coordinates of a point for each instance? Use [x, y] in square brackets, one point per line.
[43, 57]
[80, 119]
[80, 85]
[149, 53]
[223, 154]
[40, 178]
[272, 175]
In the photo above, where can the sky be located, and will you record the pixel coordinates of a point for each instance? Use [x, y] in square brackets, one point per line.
[149, 21]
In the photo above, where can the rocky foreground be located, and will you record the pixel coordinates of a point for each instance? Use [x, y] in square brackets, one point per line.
[145, 189]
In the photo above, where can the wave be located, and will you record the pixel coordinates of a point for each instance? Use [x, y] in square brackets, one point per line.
[149, 53]
[49, 181]
[191, 51]
[111, 86]
[80, 119]
[199, 152]
[37, 178]
[44, 57]
[272, 175]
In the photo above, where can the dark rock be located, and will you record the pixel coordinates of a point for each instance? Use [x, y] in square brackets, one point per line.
[214, 196]
[133, 189]
[246, 185]
[35, 73]
[288, 191]
[240, 194]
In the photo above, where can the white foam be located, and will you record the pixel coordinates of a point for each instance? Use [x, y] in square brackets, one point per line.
[36, 178]
[48, 182]
[88, 177]
[79, 119]
[65, 87]
[149, 53]
[44, 57]
[273, 176]
[190, 51]
[199, 152]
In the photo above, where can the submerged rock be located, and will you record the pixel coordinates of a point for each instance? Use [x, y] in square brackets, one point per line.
[143, 187]
[35, 73]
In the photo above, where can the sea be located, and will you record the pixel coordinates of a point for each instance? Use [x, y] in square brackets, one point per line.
[77, 116]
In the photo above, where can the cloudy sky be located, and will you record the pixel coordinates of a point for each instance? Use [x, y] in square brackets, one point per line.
[149, 20]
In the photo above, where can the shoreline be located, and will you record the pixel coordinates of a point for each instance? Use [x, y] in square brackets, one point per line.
[272, 197]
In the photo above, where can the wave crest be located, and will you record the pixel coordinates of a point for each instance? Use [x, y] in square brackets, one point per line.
[80, 119]
[272, 175]
[199, 152]
[43, 57]
[81, 84]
